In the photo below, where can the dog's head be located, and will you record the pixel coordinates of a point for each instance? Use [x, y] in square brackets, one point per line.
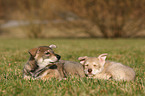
[44, 55]
[93, 65]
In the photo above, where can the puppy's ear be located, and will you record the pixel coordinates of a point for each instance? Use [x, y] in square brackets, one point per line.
[52, 46]
[102, 58]
[82, 59]
[33, 51]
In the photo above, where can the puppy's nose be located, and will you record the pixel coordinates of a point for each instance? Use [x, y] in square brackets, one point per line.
[58, 57]
[89, 70]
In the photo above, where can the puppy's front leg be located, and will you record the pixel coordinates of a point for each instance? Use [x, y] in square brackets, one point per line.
[38, 72]
[102, 76]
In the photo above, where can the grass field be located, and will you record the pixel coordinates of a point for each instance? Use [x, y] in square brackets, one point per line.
[13, 53]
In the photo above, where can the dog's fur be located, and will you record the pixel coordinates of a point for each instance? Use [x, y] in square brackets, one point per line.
[101, 69]
[71, 68]
[40, 58]
[65, 69]
[48, 72]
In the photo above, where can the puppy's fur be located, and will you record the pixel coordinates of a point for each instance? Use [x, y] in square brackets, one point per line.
[101, 69]
[40, 58]
[71, 68]
[48, 72]
[65, 69]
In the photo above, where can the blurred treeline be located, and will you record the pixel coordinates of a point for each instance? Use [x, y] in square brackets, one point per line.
[75, 18]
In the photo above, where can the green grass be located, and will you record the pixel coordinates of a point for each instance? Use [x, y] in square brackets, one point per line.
[13, 53]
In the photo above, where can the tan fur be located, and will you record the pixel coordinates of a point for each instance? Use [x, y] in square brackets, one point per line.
[62, 69]
[72, 68]
[51, 73]
[101, 69]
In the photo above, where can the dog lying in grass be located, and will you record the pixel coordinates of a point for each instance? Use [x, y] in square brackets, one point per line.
[101, 69]
[44, 64]
[40, 57]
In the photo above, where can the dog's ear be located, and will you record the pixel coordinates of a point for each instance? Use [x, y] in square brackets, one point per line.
[102, 58]
[82, 59]
[33, 51]
[52, 46]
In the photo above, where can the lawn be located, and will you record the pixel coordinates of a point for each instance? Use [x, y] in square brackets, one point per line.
[14, 54]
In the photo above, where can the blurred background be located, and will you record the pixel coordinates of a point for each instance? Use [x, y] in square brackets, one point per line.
[72, 18]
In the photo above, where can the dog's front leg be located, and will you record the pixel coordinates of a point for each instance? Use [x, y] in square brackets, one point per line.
[102, 76]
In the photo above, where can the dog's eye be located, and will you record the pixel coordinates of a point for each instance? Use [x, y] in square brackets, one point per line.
[47, 53]
[86, 65]
[95, 65]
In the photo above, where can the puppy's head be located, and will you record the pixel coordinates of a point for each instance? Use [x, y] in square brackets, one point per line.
[93, 65]
[44, 55]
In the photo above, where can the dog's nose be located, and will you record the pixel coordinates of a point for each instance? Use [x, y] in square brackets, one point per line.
[89, 70]
[58, 57]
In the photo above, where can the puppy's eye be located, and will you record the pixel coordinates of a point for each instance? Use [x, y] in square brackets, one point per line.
[94, 65]
[47, 53]
[86, 65]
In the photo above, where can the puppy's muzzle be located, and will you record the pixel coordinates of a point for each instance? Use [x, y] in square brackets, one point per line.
[89, 70]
